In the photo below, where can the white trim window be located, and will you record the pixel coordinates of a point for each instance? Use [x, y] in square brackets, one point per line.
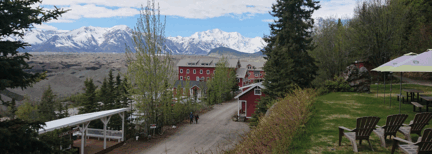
[181, 77]
[208, 71]
[194, 71]
[256, 74]
[201, 71]
[202, 78]
[249, 67]
[188, 77]
[187, 71]
[181, 70]
[257, 91]
[197, 78]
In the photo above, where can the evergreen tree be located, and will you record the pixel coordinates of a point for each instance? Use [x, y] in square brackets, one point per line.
[47, 105]
[89, 104]
[288, 62]
[27, 111]
[111, 91]
[117, 92]
[103, 95]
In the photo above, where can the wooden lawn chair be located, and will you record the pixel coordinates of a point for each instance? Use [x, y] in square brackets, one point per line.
[393, 123]
[365, 126]
[416, 125]
[422, 146]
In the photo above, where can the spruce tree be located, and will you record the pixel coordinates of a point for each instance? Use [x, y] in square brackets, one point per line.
[288, 62]
[89, 104]
[103, 95]
[111, 90]
[117, 92]
[47, 105]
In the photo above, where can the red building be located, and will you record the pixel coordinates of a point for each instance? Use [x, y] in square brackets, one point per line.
[255, 72]
[201, 69]
[247, 100]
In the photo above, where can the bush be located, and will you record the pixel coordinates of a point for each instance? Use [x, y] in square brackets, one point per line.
[274, 133]
[338, 84]
[322, 91]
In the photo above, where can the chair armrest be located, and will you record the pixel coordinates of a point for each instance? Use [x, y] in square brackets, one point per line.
[402, 140]
[344, 128]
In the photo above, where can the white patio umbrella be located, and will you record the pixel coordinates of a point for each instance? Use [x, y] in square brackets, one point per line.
[420, 63]
[393, 63]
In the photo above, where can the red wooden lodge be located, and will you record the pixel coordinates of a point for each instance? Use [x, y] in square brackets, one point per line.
[248, 98]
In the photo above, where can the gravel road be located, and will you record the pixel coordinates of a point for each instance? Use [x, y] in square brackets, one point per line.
[214, 132]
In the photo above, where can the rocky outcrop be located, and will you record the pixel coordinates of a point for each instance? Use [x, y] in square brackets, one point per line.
[358, 79]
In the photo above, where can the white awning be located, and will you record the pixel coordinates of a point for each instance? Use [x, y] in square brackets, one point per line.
[79, 119]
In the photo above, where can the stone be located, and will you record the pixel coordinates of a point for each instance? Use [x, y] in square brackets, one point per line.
[358, 79]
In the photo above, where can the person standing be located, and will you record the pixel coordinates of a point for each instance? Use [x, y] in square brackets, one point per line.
[196, 118]
[191, 117]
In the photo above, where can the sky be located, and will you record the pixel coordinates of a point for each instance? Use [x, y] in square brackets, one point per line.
[183, 18]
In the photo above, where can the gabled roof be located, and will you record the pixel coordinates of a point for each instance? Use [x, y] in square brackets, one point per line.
[258, 65]
[79, 119]
[241, 72]
[210, 61]
[252, 86]
[182, 84]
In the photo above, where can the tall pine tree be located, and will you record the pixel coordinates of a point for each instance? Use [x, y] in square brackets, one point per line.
[89, 104]
[288, 62]
[47, 105]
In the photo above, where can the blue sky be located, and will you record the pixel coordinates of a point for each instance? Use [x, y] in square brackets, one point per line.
[183, 18]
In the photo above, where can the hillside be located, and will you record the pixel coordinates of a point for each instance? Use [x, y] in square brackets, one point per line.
[218, 52]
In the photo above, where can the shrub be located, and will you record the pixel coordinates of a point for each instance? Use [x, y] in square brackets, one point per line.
[274, 132]
[338, 84]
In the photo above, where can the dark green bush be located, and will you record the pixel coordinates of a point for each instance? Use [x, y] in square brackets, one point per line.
[338, 84]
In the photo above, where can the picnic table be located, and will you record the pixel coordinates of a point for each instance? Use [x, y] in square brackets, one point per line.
[427, 99]
[412, 93]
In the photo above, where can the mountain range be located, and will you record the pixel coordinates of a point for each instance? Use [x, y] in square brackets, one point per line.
[115, 39]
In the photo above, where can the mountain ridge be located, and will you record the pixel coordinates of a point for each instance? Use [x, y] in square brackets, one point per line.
[117, 38]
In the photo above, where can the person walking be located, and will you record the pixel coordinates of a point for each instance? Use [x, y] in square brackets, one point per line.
[196, 118]
[191, 117]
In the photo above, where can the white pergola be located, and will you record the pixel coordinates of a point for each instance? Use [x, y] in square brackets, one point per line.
[84, 120]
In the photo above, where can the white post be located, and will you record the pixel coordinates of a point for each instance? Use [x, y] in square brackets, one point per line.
[105, 122]
[238, 107]
[83, 130]
[122, 116]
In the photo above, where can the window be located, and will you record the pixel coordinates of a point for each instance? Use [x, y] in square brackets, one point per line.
[238, 79]
[201, 71]
[194, 71]
[249, 67]
[197, 78]
[187, 71]
[208, 71]
[257, 91]
[181, 77]
[256, 75]
[202, 78]
[188, 78]
[181, 70]
[208, 78]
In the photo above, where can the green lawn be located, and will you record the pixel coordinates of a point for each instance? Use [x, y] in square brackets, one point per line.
[342, 109]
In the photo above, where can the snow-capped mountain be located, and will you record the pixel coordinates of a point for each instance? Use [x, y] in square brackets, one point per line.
[115, 39]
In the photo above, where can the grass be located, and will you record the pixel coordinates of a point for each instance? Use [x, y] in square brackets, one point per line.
[342, 109]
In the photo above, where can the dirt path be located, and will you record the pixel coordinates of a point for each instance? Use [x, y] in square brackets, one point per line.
[215, 131]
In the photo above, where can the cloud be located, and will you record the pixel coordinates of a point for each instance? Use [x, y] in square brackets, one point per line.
[338, 8]
[195, 9]
[268, 20]
[44, 27]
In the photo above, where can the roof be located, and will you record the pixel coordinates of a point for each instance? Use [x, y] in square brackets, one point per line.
[79, 119]
[210, 61]
[258, 65]
[182, 83]
[241, 72]
[420, 63]
[252, 86]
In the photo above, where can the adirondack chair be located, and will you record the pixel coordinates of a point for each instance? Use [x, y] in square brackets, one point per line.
[365, 126]
[422, 146]
[393, 123]
[416, 125]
